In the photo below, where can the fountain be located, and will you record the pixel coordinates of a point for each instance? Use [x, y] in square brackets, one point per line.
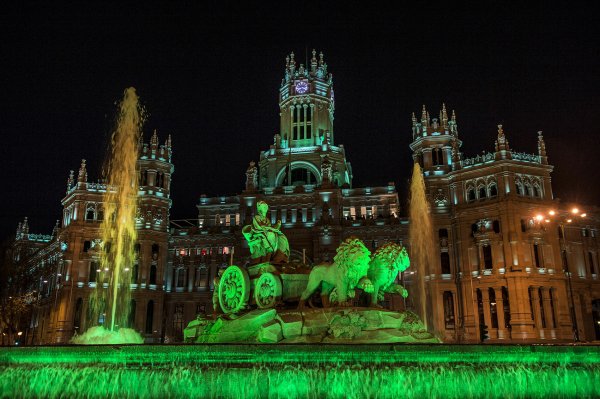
[421, 241]
[118, 231]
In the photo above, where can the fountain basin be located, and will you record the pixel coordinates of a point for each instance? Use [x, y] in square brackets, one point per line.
[296, 370]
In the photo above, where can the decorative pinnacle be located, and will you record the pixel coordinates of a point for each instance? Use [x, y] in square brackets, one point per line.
[287, 61]
[154, 139]
[444, 117]
[424, 115]
[453, 116]
[414, 119]
[541, 144]
[500, 131]
[321, 59]
[82, 176]
[168, 142]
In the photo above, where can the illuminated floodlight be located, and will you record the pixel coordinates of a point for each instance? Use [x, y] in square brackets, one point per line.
[575, 211]
[106, 269]
[539, 218]
[98, 270]
[569, 220]
[547, 220]
[126, 269]
[552, 213]
[583, 215]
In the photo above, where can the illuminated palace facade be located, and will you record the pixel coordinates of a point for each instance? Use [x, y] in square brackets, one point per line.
[500, 274]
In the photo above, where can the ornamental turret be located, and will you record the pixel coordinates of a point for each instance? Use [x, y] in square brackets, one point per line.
[433, 141]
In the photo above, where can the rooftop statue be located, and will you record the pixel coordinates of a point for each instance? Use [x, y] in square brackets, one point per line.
[266, 241]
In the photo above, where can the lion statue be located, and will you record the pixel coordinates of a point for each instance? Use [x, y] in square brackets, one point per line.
[347, 272]
[388, 260]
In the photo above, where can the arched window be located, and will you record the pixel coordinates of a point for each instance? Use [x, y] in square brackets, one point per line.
[90, 213]
[519, 187]
[527, 189]
[536, 191]
[445, 262]
[155, 251]
[493, 190]
[153, 275]
[471, 194]
[149, 317]
[482, 192]
[591, 260]
[302, 176]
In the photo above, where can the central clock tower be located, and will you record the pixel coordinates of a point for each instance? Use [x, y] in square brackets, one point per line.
[306, 103]
[303, 152]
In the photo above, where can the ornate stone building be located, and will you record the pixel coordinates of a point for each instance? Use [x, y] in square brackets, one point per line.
[507, 270]
[512, 263]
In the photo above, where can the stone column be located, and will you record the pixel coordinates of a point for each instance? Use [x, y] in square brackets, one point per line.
[520, 314]
[502, 331]
[548, 315]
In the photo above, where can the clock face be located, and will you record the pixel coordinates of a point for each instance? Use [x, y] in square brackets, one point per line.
[301, 87]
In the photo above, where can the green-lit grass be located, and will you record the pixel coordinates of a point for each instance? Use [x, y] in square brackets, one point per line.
[287, 371]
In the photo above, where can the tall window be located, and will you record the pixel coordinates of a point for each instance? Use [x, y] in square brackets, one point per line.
[131, 318]
[178, 321]
[487, 257]
[592, 265]
[149, 317]
[437, 157]
[493, 190]
[449, 310]
[77, 314]
[93, 274]
[493, 307]
[153, 275]
[445, 262]
[537, 255]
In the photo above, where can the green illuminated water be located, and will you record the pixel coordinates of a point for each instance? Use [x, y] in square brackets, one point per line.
[338, 371]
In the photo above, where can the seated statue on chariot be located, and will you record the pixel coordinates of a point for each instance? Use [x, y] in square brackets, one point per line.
[266, 241]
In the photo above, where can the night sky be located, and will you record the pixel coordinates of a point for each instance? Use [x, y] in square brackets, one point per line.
[210, 75]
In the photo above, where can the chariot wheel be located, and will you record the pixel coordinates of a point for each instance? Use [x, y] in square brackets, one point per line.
[267, 291]
[234, 289]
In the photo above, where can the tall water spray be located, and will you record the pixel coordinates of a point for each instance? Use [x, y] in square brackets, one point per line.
[112, 296]
[421, 239]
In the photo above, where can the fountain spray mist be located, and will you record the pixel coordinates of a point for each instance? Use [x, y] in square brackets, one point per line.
[421, 239]
[118, 226]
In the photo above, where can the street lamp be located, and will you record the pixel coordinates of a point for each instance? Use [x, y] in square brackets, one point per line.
[561, 218]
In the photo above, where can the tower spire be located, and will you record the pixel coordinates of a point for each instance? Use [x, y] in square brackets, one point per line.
[424, 116]
[414, 119]
[542, 149]
[313, 62]
[444, 116]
